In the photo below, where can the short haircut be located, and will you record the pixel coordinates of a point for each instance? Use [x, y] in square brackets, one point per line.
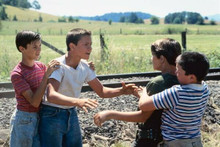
[194, 63]
[74, 35]
[167, 47]
[26, 37]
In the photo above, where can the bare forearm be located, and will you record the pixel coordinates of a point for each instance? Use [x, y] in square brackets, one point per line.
[60, 99]
[37, 96]
[111, 92]
[136, 116]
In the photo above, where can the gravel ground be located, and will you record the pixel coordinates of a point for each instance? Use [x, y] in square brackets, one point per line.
[114, 131]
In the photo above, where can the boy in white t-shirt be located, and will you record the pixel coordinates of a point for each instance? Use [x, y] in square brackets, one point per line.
[59, 124]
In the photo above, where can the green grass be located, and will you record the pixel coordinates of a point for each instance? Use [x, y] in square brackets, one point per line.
[128, 53]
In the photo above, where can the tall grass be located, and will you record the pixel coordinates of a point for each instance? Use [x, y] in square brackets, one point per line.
[127, 53]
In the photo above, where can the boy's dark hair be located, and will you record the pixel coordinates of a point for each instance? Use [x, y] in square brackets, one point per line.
[74, 35]
[26, 37]
[167, 47]
[194, 63]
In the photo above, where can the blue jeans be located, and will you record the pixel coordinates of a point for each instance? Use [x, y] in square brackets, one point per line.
[59, 127]
[194, 142]
[24, 129]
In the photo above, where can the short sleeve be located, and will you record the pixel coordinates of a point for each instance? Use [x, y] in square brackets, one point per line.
[19, 83]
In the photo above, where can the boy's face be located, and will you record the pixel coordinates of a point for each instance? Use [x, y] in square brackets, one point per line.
[32, 51]
[156, 62]
[180, 73]
[84, 47]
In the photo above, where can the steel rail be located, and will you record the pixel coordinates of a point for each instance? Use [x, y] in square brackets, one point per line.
[213, 75]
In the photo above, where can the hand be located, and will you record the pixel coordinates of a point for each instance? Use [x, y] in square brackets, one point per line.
[128, 88]
[52, 65]
[138, 92]
[100, 118]
[91, 65]
[87, 103]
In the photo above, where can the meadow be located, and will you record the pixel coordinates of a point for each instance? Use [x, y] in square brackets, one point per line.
[128, 45]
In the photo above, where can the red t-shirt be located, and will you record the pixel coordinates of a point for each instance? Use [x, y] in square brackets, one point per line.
[24, 78]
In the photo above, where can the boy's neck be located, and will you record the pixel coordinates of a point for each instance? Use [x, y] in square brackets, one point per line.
[169, 69]
[71, 60]
[27, 62]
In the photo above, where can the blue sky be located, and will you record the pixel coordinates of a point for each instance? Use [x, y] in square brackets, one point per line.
[159, 8]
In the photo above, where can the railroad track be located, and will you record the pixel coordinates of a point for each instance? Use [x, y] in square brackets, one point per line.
[6, 89]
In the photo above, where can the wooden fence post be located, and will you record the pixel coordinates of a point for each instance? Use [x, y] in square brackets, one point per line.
[183, 36]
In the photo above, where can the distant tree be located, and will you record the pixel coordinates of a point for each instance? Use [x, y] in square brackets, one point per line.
[206, 18]
[70, 19]
[109, 21]
[212, 22]
[15, 18]
[76, 19]
[23, 4]
[40, 19]
[132, 18]
[194, 18]
[0, 24]
[177, 21]
[3, 14]
[154, 20]
[62, 19]
[140, 20]
[175, 18]
[122, 19]
[35, 5]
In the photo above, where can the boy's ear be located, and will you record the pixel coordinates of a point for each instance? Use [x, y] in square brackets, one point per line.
[162, 58]
[193, 78]
[72, 45]
[21, 48]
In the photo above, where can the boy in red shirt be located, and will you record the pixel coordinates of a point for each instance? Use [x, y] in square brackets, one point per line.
[29, 79]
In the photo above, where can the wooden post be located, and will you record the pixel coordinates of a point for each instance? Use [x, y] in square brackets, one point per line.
[183, 36]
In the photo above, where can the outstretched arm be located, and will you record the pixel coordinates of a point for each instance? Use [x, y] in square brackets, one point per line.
[136, 116]
[107, 92]
[57, 98]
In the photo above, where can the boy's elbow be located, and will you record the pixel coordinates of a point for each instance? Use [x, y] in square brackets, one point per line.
[36, 105]
[142, 106]
[101, 95]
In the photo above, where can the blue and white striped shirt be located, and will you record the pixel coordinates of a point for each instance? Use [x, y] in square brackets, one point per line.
[184, 106]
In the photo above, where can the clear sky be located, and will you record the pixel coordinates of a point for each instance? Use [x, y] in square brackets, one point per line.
[159, 8]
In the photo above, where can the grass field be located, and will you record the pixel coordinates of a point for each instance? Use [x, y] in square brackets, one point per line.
[127, 52]
[128, 44]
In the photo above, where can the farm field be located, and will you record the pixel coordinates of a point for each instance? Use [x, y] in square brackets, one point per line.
[128, 46]
[128, 51]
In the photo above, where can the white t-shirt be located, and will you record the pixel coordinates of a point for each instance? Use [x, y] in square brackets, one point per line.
[71, 80]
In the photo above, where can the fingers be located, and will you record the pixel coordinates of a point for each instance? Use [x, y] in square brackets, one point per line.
[54, 64]
[91, 65]
[97, 120]
[85, 109]
[89, 103]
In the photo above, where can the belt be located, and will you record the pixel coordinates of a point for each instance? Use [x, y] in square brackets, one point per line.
[152, 134]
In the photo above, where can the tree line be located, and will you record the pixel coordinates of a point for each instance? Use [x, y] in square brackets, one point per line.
[21, 4]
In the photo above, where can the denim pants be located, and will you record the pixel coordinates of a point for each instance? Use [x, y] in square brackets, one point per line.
[59, 127]
[195, 142]
[24, 129]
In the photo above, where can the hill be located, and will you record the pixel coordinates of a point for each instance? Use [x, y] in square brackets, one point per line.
[115, 17]
[28, 15]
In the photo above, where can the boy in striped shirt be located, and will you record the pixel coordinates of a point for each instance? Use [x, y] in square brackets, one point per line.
[29, 79]
[183, 104]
